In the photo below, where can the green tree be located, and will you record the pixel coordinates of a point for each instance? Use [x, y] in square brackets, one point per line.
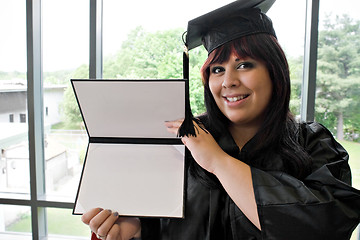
[197, 57]
[69, 108]
[337, 104]
[57, 77]
[157, 55]
[12, 75]
[145, 55]
[296, 73]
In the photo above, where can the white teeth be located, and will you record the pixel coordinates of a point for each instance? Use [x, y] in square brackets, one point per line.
[234, 99]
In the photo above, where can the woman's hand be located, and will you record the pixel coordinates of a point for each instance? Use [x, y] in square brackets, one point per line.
[234, 175]
[108, 225]
[205, 150]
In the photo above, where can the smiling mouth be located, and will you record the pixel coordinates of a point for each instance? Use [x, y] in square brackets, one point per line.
[237, 98]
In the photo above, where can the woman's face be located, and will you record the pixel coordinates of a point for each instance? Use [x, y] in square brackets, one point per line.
[242, 89]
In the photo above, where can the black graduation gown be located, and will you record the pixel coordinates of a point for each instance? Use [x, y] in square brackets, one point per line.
[322, 206]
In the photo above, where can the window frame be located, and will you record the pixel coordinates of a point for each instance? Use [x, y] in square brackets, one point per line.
[37, 200]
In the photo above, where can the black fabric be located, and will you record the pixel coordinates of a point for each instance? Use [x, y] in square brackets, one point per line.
[323, 206]
[235, 20]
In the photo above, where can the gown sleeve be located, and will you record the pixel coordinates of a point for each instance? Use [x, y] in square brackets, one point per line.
[323, 206]
[150, 228]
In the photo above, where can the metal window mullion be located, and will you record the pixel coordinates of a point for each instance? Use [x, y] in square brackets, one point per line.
[96, 35]
[35, 116]
[307, 111]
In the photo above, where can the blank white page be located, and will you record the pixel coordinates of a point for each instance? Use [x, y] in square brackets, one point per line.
[134, 180]
[136, 109]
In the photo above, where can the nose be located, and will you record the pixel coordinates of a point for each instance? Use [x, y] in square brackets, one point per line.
[230, 80]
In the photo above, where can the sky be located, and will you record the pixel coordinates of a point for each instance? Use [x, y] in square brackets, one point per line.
[65, 29]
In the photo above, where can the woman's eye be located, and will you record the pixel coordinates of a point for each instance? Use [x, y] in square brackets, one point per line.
[216, 70]
[245, 65]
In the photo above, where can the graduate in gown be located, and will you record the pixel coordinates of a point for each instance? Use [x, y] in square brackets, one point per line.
[253, 172]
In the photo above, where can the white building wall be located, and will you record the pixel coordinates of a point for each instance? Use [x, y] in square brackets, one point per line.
[53, 97]
[14, 102]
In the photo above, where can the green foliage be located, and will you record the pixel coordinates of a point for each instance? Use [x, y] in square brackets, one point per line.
[81, 72]
[58, 77]
[338, 76]
[69, 108]
[12, 75]
[147, 55]
[158, 55]
[296, 72]
[144, 55]
[197, 57]
[60, 222]
[23, 224]
[353, 149]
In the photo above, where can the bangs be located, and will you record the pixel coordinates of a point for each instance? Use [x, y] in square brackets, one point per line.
[223, 53]
[241, 48]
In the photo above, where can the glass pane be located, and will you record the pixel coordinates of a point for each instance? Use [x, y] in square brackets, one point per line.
[338, 77]
[65, 56]
[150, 57]
[149, 45]
[164, 16]
[291, 38]
[61, 223]
[14, 156]
[15, 222]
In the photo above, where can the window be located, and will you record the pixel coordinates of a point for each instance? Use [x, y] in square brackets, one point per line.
[65, 50]
[338, 72]
[22, 118]
[11, 118]
[14, 167]
[146, 35]
[338, 77]
[9, 216]
[291, 39]
[47, 110]
[65, 139]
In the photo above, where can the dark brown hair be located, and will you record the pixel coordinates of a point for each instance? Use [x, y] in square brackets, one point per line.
[278, 131]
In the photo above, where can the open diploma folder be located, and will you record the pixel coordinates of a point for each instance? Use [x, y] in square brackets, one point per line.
[132, 165]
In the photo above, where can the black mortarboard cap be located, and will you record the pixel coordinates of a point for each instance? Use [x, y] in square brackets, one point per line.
[235, 20]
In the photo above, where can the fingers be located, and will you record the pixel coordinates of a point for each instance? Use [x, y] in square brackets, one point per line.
[86, 217]
[108, 225]
[104, 222]
[126, 228]
[173, 126]
[176, 123]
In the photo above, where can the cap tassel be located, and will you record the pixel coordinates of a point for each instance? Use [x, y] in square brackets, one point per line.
[187, 128]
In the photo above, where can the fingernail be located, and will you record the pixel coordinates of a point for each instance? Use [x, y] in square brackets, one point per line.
[109, 210]
[100, 209]
[116, 214]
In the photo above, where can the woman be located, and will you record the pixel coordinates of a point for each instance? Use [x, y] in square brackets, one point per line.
[254, 172]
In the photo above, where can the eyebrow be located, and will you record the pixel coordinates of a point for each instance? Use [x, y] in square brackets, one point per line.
[244, 59]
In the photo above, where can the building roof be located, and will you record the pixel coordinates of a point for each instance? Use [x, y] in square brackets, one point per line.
[20, 85]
